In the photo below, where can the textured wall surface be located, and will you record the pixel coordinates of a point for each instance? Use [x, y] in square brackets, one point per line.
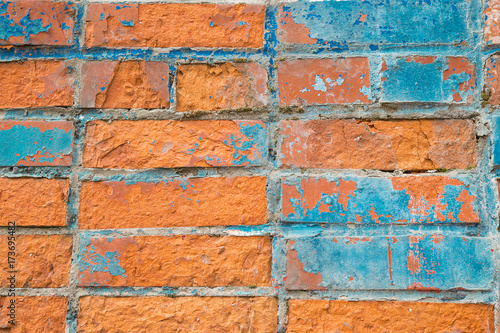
[268, 166]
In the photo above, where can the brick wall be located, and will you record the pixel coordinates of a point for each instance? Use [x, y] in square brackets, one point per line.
[325, 166]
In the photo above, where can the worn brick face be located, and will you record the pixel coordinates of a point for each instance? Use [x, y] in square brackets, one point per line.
[33, 202]
[176, 203]
[373, 144]
[176, 261]
[175, 25]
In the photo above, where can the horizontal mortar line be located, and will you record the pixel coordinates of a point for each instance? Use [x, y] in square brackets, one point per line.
[34, 230]
[166, 173]
[263, 229]
[65, 291]
[180, 291]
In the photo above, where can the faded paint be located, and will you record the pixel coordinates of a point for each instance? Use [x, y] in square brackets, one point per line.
[454, 262]
[125, 84]
[324, 81]
[434, 199]
[174, 144]
[384, 145]
[492, 79]
[492, 24]
[38, 143]
[170, 25]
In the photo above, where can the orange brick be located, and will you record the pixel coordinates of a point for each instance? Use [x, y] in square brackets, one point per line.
[176, 203]
[33, 202]
[174, 144]
[35, 83]
[180, 314]
[223, 86]
[175, 25]
[492, 24]
[125, 84]
[41, 261]
[385, 145]
[343, 316]
[34, 314]
[176, 261]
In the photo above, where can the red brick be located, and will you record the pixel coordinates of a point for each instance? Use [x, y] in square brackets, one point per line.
[365, 316]
[324, 81]
[33, 202]
[125, 84]
[175, 203]
[492, 79]
[385, 145]
[56, 20]
[174, 144]
[176, 261]
[492, 24]
[175, 25]
[180, 314]
[222, 86]
[41, 261]
[34, 314]
[35, 83]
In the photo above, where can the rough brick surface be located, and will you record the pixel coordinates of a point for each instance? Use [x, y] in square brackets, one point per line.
[37, 143]
[223, 86]
[42, 261]
[125, 84]
[175, 203]
[324, 81]
[385, 145]
[323, 316]
[176, 261]
[35, 314]
[35, 83]
[492, 24]
[175, 25]
[174, 144]
[33, 202]
[182, 314]
[36, 23]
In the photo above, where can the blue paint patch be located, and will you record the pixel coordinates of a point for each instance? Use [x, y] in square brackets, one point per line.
[251, 150]
[98, 263]
[64, 26]
[26, 26]
[127, 23]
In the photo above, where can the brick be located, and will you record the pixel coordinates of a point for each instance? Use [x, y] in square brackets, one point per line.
[175, 261]
[428, 79]
[416, 262]
[175, 25]
[323, 316]
[180, 314]
[324, 81]
[41, 261]
[125, 84]
[37, 143]
[33, 202]
[174, 144]
[35, 83]
[492, 24]
[222, 86]
[174, 203]
[433, 199]
[36, 23]
[34, 314]
[373, 23]
[492, 80]
[385, 145]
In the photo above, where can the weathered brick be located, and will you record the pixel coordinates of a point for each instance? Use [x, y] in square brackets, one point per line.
[125, 84]
[385, 145]
[416, 262]
[33, 202]
[175, 261]
[174, 203]
[222, 86]
[492, 24]
[35, 143]
[324, 316]
[35, 83]
[36, 23]
[374, 23]
[180, 314]
[324, 81]
[34, 314]
[41, 261]
[175, 25]
[174, 144]
[492, 79]
[433, 199]
[428, 79]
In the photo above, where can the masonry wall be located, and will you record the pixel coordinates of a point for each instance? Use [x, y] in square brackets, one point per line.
[326, 166]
